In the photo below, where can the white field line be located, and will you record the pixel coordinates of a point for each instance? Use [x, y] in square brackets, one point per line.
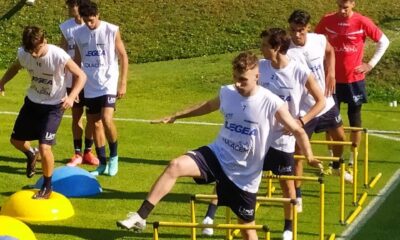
[372, 207]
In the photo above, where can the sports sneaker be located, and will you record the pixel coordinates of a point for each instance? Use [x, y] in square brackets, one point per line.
[287, 235]
[31, 163]
[299, 204]
[348, 177]
[43, 193]
[100, 170]
[208, 231]
[75, 160]
[113, 166]
[132, 222]
[90, 158]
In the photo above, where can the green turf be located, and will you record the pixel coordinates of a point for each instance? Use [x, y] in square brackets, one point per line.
[154, 90]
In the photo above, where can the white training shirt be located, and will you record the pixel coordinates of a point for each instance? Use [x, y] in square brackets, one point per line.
[312, 54]
[289, 84]
[48, 85]
[99, 59]
[243, 140]
[67, 29]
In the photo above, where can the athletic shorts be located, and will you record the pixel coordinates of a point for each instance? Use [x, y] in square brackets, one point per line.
[80, 102]
[351, 93]
[37, 122]
[329, 120]
[241, 202]
[94, 105]
[279, 162]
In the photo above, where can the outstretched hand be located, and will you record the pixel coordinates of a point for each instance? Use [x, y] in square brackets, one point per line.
[315, 163]
[168, 119]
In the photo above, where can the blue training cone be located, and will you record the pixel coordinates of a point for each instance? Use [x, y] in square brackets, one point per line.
[73, 182]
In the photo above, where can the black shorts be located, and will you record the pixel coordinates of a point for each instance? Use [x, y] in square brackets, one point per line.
[329, 120]
[94, 105]
[80, 102]
[351, 93]
[241, 202]
[37, 122]
[279, 162]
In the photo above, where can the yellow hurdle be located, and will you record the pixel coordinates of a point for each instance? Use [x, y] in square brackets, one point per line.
[230, 233]
[157, 225]
[375, 180]
[320, 180]
[332, 236]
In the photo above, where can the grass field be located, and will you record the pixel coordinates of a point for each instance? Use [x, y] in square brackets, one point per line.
[154, 90]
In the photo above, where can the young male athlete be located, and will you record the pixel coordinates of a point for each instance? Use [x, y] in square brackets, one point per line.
[99, 49]
[235, 159]
[347, 31]
[314, 51]
[68, 44]
[45, 102]
[290, 81]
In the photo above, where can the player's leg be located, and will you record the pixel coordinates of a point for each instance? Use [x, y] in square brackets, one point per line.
[248, 234]
[77, 132]
[183, 166]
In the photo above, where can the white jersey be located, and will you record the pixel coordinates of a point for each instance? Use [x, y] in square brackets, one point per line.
[245, 137]
[312, 54]
[99, 59]
[48, 84]
[67, 29]
[289, 84]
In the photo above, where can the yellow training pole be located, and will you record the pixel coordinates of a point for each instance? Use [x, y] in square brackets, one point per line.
[355, 174]
[366, 160]
[294, 213]
[351, 218]
[322, 210]
[193, 216]
[375, 180]
[228, 220]
[362, 198]
[332, 237]
[155, 231]
[342, 166]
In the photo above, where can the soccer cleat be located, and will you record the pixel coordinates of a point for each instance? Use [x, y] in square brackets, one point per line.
[90, 158]
[100, 170]
[31, 164]
[113, 166]
[348, 177]
[75, 160]
[43, 193]
[132, 222]
[327, 172]
[299, 204]
[287, 235]
[208, 231]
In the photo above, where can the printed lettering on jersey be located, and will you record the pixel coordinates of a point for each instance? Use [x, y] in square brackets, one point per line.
[93, 65]
[346, 49]
[233, 127]
[42, 86]
[95, 53]
[228, 116]
[286, 98]
[237, 146]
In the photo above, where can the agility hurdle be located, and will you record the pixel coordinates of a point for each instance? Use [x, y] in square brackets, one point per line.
[229, 233]
[321, 194]
[342, 167]
[157, 225]
[366, 154]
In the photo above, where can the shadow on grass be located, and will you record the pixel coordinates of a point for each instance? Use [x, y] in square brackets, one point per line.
[89, 233]
[115, 194]
[130, 160]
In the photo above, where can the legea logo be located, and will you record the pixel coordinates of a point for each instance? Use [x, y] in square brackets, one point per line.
[233, 127]
[95, 53]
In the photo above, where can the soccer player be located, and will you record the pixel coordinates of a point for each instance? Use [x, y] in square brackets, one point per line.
[235, 159]
[314, 51]
[347, 31]
[291, 81]
[45, 102]
[68, 44]
[99, 49]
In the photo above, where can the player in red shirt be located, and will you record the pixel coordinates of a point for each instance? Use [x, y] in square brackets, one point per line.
[347, 32]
